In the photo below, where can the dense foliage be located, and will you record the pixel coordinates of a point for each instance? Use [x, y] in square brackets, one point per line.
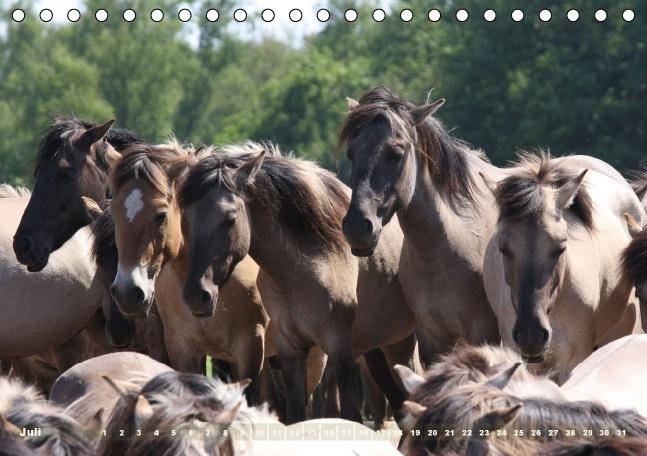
[572, 87]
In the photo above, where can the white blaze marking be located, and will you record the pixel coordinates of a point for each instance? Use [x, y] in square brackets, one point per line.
[133, 204]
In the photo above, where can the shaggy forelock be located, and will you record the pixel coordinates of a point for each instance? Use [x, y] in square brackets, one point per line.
[443, 154]
[521, 195]
[309, 202]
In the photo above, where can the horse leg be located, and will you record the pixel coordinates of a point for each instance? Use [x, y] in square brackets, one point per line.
[380, 370]
[183, 357]
[292, 360]
[248, 353]
[342, 360]
[375, 402]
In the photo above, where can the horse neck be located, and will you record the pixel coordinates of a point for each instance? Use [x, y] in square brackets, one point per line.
[272, 247]
[432, 219]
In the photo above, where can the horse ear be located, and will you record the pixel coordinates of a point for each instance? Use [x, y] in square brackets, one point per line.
[91, 208]
[143, 411]
[228, 416]
[410, 379]
[632, 225]
[247, 171]
[94, 134]
[351, 103]
[112, 155]
[501, 379]
[421, 113]
[490, 184]
[641, 192]
[118, 388]
[498, 418]
[96, 421]
[567, 192]
[8, 427]
[414, 408]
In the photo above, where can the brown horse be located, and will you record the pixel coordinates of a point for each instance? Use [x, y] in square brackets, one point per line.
[73, 160]
[152, 260]
[286, 213]
[405, 161]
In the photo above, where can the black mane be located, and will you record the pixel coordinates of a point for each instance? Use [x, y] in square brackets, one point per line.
[56, 140]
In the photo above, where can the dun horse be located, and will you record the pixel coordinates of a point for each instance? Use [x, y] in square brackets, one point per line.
[286, 213]
[404, 161]
[551, 270]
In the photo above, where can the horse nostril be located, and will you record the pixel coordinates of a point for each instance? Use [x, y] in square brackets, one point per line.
[24, 244]
[367, 225]
[137, 295]
[545, 334]
[113, 292]
[515, 336]
[206, 297]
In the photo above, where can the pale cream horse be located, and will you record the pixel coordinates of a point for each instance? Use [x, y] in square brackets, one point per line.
[41, 311]
[552, 270]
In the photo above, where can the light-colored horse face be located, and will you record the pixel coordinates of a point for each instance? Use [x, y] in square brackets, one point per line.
[147, 229]
[533, 252]
[218, 232]
[383, 174]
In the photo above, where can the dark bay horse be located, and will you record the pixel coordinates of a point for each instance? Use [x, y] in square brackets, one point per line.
[73, 160]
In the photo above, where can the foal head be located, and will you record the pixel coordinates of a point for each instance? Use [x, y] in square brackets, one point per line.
[73, 159]
[539, 205]
[147, 221]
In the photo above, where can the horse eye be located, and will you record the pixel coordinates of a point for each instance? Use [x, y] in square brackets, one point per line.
[349, 155]
[64, 178]
[559, 251]
[160, 217]
[396, 153]
[505, 251]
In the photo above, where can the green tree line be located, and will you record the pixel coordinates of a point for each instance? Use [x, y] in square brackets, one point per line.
[573, 87]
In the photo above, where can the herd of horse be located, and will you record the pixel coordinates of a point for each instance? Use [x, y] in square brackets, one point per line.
[498, 310]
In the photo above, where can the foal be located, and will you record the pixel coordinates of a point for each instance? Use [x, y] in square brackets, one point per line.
[152, 260]
[286, 213]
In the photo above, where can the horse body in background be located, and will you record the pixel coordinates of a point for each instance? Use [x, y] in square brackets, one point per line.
[152, 258]
[551, 270]
[286, 213]
[84, 393]
[43, 311]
